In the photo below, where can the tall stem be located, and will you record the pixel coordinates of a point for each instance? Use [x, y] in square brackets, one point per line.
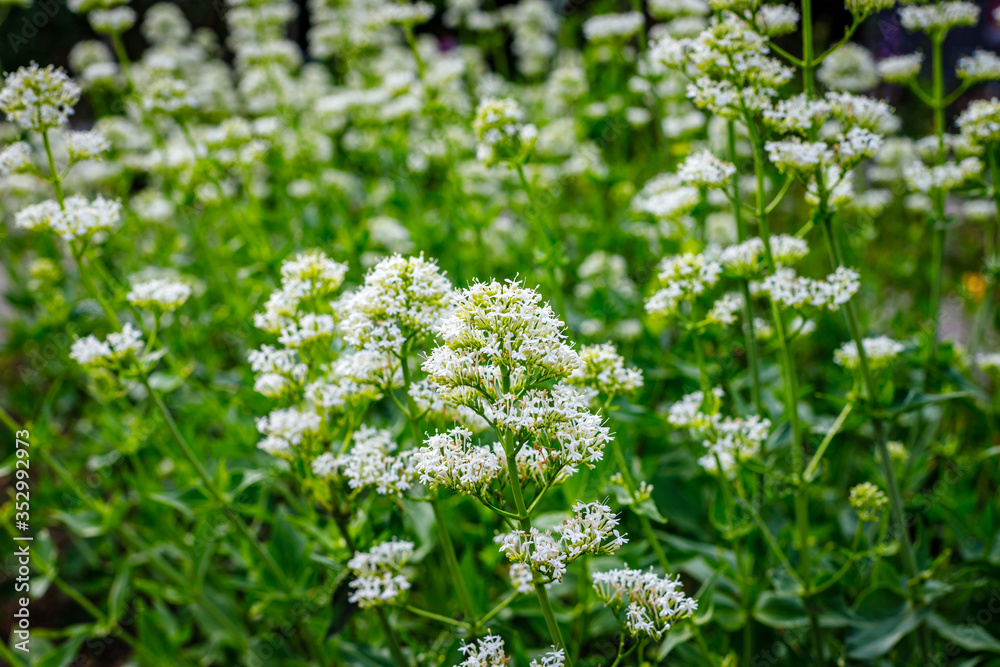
[390, 638]
[789, 374]
[895, 498]
[525, 524]
[749, 336]
[442, 526]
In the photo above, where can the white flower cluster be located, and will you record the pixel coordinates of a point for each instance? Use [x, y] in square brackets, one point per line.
[426, 395]
[901, 69]
[652, 603]
[402, 298]
[704, 170]
[980, 121]
[277, 370]
[980, 66]
[684, 278]
[91, 351]
[306, 279]
[948, 176]
[498, 330]
[603, 371]
[502, 134]
[728, 440]
[486, 652]
[791, 290]
[608, 27]
[562, 431]
[285, 429]
[378, 580]
[79, 219]
[591, 530]
[38, 98]
[938, 17]
[372, 462]
[745, 260]
[354, 379]
[86, 145]
[15, 159]
[879, 352]
[162, 295]
[450, 460]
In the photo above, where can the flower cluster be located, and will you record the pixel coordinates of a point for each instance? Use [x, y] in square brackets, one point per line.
[868, 501]
[591, 530]
[652, 604]
[378, 578]
[403, 298]
[603, 371]
[879, 353]
[502, 134]
[728, 440]
[371, 462]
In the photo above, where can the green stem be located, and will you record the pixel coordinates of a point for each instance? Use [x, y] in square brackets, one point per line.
[390, 637]
[801, 501]
[525, 525]
[895, 498]
[442, 525]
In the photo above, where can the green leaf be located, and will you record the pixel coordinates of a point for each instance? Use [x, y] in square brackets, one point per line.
[119, 590]
[889, 618]
[649, 509]
[62, 655]
[969, 636]
[780, 611]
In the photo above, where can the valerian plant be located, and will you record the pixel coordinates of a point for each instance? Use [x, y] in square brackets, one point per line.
[542, 335]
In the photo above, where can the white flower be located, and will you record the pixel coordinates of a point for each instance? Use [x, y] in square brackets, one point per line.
[91, 351]
[162, 294]
[38, 98]
[684, 278]
[502, 133]
[724, 310]
[730, 440]
[604, 371]
[938, 17]
[704, 170]
[15, 159]
[798, 156]
[794, 291]
[111, 21]
[370, 463]
[775, 20]
[980, 66]
[799, 113]
[554, 658]
[606, 27]
[591, 530]
[901, 69]
[497, 326]
[980, 121]
[79, 220]
[865, 112]
[651, 603]
[850, 68]
[452, 461]
[401, 299]
[377, 574]
[487, 652]
[86, 145]
[521, 577]
[286, 428]
[879, 352]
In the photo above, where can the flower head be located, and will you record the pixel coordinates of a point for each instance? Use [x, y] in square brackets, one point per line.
[38, 98]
